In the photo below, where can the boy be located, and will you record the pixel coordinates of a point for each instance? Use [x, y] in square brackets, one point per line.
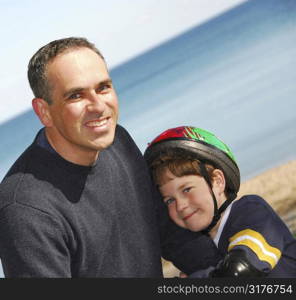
[198, 178]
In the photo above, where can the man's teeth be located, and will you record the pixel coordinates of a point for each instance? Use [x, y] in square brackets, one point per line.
[97, 123]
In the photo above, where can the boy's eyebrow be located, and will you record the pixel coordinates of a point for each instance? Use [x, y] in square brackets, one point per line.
[182, 186]
[80, 89]
[185, 184]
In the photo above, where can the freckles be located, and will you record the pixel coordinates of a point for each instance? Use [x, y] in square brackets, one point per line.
[173, 214]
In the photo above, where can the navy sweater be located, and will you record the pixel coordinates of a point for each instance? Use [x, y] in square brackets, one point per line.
[59, 219]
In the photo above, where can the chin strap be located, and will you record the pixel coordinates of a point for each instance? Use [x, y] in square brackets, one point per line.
[217, 212]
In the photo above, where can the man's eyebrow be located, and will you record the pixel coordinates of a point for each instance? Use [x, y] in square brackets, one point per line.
[73, 91]
[80, 89]
[106, 81]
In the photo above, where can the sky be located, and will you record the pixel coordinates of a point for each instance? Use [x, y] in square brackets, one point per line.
[121, 29]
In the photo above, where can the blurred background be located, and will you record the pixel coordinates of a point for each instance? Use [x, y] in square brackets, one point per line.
[228, 66]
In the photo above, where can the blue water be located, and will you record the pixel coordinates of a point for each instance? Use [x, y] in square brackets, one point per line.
[234, 75]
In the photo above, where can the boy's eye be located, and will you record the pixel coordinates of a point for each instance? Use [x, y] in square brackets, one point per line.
[169, 201]
[186, 190]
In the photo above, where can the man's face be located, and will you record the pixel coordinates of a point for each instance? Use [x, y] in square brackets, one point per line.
[84, 108]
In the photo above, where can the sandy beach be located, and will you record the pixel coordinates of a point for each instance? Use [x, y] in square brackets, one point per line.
[278, 187]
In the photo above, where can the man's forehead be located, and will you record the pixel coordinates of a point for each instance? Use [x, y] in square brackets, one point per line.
[74, 56]
[77, 61]
[76, 69]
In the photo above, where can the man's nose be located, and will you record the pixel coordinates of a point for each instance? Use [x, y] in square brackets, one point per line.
[96, 103]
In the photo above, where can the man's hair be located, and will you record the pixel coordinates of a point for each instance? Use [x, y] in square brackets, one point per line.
[38, 63]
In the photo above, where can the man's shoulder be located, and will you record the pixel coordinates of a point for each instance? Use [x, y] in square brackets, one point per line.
[19, 180]
[124, 141]
[21, 162]
[122, 133]
[18, 187]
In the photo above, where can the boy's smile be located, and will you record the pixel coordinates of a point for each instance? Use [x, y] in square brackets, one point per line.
[189, 215]
[189, 200]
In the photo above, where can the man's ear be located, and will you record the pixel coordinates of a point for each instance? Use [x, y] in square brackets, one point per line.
[219, 181]
[41, 109]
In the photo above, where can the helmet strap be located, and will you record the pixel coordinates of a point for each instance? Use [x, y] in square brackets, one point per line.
[217, 212]
[208, 180]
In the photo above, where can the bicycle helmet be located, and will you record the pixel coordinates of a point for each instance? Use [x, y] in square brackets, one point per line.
[203, 145]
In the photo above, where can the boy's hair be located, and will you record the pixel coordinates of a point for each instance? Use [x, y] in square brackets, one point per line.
[38, 63]
[179, 166]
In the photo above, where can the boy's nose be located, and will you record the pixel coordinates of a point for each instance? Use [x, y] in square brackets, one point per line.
[181, 204]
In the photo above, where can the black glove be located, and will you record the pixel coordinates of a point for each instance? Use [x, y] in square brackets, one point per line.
[236, 264]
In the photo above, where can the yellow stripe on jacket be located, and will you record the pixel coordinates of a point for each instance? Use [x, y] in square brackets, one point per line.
[257, 243]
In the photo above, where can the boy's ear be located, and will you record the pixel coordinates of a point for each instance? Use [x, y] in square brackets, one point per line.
[41, 109]
[219, 181]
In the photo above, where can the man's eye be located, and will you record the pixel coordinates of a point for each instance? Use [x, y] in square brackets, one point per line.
[169, 201]
[104, 88]
[75, 96]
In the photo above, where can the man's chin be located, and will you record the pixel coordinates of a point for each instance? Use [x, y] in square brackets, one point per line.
[101, 145]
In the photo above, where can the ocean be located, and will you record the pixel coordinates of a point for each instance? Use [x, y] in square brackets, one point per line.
[233, 75]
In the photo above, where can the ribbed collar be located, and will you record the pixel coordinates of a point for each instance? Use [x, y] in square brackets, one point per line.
[46, 152]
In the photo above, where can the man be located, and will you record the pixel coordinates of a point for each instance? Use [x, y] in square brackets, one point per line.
[79, 201]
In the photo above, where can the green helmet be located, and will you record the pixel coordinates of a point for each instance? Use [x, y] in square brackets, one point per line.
[198, 143]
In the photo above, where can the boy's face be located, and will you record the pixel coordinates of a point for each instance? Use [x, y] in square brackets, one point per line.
[189, 200]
